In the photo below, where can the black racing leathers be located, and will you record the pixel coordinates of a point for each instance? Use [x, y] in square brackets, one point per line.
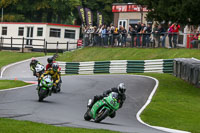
[121, 97]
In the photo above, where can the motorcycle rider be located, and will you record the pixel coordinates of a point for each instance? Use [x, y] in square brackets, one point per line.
[54, 72]
[50, 61]
[120, 89]
[33, 64]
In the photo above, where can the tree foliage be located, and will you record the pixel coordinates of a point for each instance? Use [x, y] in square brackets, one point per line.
[65, 11]
[181, 11]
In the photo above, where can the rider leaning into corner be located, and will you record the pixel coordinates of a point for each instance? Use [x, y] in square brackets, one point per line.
[54, 72]
[120, 89]
[50, 61]
[33, 64]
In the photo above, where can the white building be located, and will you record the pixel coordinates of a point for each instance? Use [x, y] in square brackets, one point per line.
[36, 34]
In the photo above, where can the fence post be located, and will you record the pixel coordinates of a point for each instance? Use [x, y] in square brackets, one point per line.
[57, 47]
[45, 52]
[1, 43]
[67, 46]
[23, 45]
[11, 39]
[46, 46]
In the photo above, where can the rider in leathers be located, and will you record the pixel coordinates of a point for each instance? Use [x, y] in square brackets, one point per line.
[54, 72]
[33, 64]
[121, 96]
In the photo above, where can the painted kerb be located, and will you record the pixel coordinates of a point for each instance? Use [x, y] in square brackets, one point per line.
[118, 66]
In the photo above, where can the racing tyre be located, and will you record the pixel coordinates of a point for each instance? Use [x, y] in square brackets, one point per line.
[87, 116]
[101, 115]
[41, 94]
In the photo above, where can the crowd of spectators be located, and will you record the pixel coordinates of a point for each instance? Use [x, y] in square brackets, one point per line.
[140, 34]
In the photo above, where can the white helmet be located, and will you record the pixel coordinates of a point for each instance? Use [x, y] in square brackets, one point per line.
[121, 88]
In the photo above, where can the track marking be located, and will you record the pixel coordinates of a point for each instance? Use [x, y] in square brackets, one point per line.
[147, 103]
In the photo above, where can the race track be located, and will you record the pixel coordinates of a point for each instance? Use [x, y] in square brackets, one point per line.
[68, 107]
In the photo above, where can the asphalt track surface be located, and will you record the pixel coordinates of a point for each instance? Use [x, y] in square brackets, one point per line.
[68, 107]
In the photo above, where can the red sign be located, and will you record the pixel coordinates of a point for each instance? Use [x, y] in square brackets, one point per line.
[79, 43]
[128, 8]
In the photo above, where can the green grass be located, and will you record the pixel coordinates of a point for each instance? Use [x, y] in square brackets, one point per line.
[6, 84]
[175, 105]
[14, 126]
[102, 54]
[11, 57]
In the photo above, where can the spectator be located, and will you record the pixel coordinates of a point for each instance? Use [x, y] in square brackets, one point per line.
[124, 36]
[175, 31]
[86, 33]
[196, 39]
[170, 35]
[95, 36]
[138, 29]
[99, 35]
[132, 33]
[162, 34]
[116, 36]
[148, 31]
[104, 35]
[143, 28]
[112, 29]
[156, 35]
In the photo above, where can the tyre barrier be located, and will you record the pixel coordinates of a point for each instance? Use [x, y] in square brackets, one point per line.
[187, 69]
[118, 66]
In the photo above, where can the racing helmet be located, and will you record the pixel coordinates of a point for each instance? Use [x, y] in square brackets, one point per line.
[55, 67]
[121, 88]
[50, 60]
[34, 61]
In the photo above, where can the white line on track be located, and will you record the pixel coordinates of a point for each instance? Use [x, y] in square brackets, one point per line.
[147, 103]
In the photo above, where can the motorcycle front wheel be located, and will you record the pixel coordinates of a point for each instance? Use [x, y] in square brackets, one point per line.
[101, 115]
[87, 116]
[42, 94]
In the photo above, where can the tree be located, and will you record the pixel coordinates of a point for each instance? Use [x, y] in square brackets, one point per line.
[181, 11]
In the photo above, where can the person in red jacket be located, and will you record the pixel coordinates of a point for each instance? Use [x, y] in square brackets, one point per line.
[50, 61]
[175, 31]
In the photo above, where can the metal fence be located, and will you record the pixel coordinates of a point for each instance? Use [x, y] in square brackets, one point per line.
[152, 40]
[41, 45]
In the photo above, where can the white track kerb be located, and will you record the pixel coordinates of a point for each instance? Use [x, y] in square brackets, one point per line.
[147, 103]
[137, 115]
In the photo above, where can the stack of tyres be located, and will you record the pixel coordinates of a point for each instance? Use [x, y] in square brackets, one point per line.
[184, 69]
[198, 78]
[174, 69]
[195, 73]
[176, 66]
[188, 70]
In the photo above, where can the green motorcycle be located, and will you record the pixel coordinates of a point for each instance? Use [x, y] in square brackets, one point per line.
[45, 85]
[103, 108]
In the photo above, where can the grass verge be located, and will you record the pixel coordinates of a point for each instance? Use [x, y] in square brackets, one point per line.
[11, 57]
[15, 126]
[102, 54]
[6, 84]
[175, 105]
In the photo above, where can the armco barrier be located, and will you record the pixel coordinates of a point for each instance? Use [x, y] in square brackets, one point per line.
[188, 69]
[118, 66]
